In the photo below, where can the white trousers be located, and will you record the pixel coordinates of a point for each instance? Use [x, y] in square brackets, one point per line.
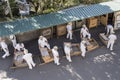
[109, 31]
[6, 53]
[68, 57]
[56, 60]
[83, 52]
[69, 34]
[87, 34]
[14, 43]
[110, 45]
[30, 63]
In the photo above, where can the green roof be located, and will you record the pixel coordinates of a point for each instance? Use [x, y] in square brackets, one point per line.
[60, 17]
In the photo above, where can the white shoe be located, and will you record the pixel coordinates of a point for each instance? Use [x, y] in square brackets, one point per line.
[111, 49]
[34, 65]
[58, 64]
[3, 57]
[70, 60]
[30, 68]
[8, 55]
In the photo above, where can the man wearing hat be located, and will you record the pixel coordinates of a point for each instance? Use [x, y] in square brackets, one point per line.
[28, 58]
[43, 42]
[13, 39]
[112, 37]
[67, 50]
[4, 47]
[69, 30]
[85, 32]
[55, 55]
[83, 48]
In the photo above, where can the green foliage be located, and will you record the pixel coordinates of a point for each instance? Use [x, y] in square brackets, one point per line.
[48, 6]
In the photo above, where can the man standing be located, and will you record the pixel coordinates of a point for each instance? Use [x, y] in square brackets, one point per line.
[4, 47]
[112, 37]
[67, 50]
[84, 32]
[28, 58]
[55, 55]
[69, 30]
[43, 42]
[83, 48]
[110, 29]
[13, 39]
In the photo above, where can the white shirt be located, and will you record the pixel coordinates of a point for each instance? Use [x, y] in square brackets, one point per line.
[42, 42]
[55, 53]
[112, 37]
[27, 57]
[84, 30]
[69, 28]
[3, 45]
[18, 46]
[67, 49]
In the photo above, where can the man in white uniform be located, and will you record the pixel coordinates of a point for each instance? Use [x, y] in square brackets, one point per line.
[55, 55]
[43, 42]
[84, 32]
[67, 50]
[28, 58]
[4, 47]
[69, 30]
[13, 39]
[110, 29]
[83, 48]
[19, 47]
[112, 37]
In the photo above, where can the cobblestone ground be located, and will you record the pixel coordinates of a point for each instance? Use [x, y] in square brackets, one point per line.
[99, 64]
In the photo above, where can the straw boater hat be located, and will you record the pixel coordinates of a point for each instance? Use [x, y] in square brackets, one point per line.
[83, 41]
[25, 51]
[55, 47]
[0, 38]
[70, 23]
[68, 44]
[41, 37]
[83, 25]
[11, 36]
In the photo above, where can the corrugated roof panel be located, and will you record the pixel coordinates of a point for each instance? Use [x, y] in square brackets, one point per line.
[60, 17]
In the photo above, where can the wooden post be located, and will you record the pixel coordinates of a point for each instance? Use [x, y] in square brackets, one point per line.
[9, 8]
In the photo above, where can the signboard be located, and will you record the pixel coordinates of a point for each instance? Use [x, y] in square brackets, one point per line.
[46, 32]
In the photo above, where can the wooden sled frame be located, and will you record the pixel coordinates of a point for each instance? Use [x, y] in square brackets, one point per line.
[103, 38]
[48, 58]
[75, 48]
[93, 45]
[16, 64]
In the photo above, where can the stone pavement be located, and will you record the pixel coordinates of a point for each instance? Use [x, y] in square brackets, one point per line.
[99, 64]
